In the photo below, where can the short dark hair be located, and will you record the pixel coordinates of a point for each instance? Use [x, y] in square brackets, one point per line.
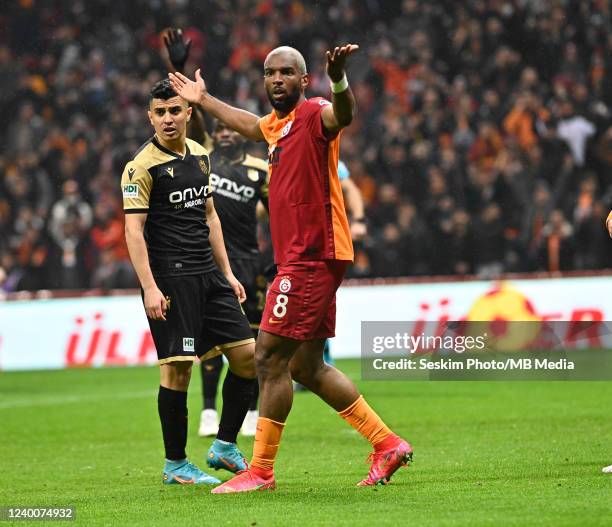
[162, 90]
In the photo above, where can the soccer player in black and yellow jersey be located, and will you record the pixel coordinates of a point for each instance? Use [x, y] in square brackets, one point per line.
[240, 188]
[190, 295]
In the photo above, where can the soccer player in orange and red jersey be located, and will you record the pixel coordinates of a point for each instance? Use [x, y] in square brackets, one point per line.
[312, 248]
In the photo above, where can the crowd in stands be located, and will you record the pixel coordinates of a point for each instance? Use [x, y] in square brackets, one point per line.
[482, 143]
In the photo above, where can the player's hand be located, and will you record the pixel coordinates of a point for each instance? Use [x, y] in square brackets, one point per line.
[337, 59]
[178, 48]
[237, 287]
[191, 91]
[359, 230]
[155, 304]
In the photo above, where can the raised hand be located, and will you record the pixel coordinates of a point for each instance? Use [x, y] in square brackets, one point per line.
[178, 48]
[191, 91]
[337, 59]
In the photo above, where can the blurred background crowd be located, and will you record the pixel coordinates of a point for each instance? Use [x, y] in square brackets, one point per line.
[482, 144]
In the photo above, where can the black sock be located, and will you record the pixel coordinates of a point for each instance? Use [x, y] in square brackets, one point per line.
[237, 393]
[211, 371]
[172, 406]
[253, 405]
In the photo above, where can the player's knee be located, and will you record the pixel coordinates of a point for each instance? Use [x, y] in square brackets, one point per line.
[242, 361]
[176, 375]
[267, 362]
[306, 374]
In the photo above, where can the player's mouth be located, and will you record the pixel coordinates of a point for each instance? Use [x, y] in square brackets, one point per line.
[279, 94]
[169, 131]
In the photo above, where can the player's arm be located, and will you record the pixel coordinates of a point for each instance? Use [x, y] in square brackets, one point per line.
[609, 224]
[178, 47]
[195, 92]
[354, 204]
[154, 301]
[261, 211]
[215, 237]
[340, 113]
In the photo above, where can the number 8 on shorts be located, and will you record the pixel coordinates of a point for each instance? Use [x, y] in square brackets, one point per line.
[280, 308]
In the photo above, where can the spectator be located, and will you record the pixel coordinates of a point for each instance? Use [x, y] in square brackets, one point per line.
[486, 116]
[557, 245]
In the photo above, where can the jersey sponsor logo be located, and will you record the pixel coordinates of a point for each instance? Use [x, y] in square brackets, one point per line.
[285, 285]
[253, 175]
[189, 197]
[170, 171]
[130, 190]
[131, 173]
[231, 189]
[286, 129]
[272, 321]
[323, 102]
[188, 344]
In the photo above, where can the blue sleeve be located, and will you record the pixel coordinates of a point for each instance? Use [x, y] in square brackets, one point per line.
[343, 171]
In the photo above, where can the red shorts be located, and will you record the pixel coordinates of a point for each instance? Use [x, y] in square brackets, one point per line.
[301, 302]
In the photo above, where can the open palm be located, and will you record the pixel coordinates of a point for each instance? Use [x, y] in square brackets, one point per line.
[191, 91]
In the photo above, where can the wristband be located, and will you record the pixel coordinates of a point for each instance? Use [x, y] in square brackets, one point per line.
[340, 86]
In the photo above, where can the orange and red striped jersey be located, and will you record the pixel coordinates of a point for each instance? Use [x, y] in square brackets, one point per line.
[307, 215]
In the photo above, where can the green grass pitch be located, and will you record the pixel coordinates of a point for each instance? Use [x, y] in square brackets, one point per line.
[511, 453]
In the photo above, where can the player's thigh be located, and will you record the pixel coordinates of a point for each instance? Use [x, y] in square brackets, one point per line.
[225, 327]
[273, 353]
[176, 337]
[249, 274]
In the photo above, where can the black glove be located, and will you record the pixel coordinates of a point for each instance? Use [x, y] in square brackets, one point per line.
[178, 49]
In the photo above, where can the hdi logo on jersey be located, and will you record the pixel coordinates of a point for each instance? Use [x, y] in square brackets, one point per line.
[130, 190]
[188, 344]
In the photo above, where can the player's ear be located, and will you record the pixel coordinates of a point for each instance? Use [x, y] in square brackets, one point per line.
[304, 81]
[189, 111]
[150, 113]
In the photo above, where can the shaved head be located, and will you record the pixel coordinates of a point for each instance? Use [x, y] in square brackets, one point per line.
[288, 51]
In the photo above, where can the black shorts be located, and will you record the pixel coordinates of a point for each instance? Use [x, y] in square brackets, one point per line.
[250, 274]
[204, 318]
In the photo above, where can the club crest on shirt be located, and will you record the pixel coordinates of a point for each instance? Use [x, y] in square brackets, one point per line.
[203, 166]
[285, 285]
[286, 129]
[170, 171]
[253, 175]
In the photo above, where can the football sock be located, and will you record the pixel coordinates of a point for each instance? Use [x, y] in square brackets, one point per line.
[237, 393]
[267, 441]
[366, 421]
[172, 407]
[211, 371]
[253, 405]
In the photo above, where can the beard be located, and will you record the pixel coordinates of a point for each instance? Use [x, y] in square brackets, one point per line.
[287, 104]
[230, 151]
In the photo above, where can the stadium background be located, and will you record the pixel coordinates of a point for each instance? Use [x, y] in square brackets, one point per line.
[482, 145]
